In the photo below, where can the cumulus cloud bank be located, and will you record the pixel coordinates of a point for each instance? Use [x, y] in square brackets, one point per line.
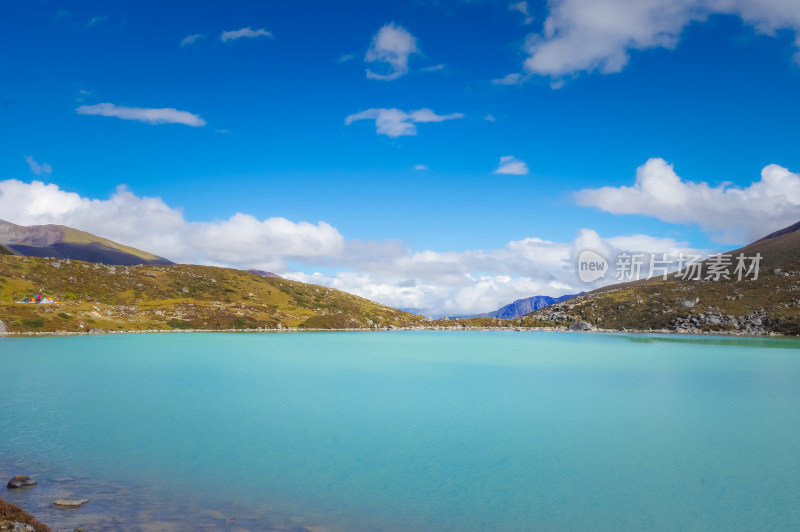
[168, 115]
[476, 281]
[589, 35]
[435, 283]
[392, 45]
[397, 123]
[152, 225]
[736, 214]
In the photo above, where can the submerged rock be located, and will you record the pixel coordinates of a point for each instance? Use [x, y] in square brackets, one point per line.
[71, 503]
[21, 481]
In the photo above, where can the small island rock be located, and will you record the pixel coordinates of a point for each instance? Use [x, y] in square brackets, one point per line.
[20, 481]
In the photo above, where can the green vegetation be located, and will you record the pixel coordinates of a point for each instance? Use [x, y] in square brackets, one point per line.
[180, 324]
[166, 297]
[768, 304]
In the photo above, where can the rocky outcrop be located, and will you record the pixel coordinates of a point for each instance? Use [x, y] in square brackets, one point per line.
[12, 517]
[20, 481]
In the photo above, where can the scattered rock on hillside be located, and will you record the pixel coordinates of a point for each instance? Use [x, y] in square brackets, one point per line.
[750, 324]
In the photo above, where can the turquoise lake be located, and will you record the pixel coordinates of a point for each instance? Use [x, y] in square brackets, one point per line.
[400, 431]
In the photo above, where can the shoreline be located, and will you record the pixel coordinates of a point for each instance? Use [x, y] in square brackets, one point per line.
[291, 330]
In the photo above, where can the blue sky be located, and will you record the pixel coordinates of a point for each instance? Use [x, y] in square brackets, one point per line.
[247, 139]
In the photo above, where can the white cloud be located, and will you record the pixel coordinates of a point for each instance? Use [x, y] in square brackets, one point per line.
[167, 115]
[522, 7]
[392, 45]
[514, 78]
[510, 165]
[420, 167]
[191, 39]
[448, 283]
[438, 283]
[152, 225]
[589, 35]
[490, 118]
[397, 123]
[38, 168]
[346, 58]
[736, 214]
[95, 21]
[247, 32]
[434, 68]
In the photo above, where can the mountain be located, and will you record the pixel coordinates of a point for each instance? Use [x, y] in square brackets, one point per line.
[766, 304]
[64, 242]
[178, 296]
[5, 251]
[521, 307]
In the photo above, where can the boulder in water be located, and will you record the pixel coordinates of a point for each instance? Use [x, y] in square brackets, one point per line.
[20, 481]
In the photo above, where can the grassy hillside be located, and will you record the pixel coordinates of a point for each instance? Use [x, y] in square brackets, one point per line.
[769, 304]
[164, 297]
[5, 251]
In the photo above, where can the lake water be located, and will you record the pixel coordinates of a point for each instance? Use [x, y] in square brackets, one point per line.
[400, 431]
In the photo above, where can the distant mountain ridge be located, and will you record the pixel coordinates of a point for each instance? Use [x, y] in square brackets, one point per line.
[521, 307]
[62, 242]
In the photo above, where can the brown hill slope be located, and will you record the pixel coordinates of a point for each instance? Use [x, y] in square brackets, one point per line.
[64, 242]
[163, 297]
[768, 304]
